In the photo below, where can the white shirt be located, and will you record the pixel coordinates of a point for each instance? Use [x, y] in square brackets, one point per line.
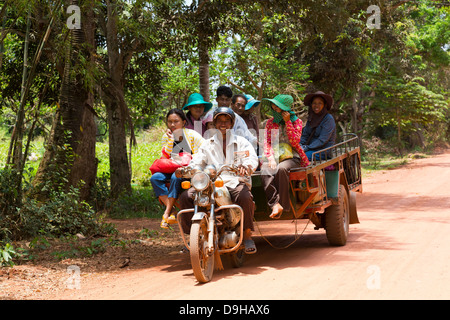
[240, 127]
[239, 152]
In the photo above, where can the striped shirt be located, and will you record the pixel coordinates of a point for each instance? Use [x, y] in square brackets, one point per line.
[194, 141]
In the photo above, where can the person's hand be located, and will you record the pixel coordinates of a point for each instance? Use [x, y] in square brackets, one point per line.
[272, 162]
[178, 173]
[245, 171]
[286, 116]
[169, 134]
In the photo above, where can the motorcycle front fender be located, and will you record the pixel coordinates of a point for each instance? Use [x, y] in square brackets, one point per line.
[198, 216]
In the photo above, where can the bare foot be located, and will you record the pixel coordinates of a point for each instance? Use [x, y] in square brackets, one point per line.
[277, 210]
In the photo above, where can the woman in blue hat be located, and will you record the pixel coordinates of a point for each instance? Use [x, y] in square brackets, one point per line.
[197, 106]
[249, 117]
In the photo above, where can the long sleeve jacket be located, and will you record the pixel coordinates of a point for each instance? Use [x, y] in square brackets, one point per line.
[323, 137]
[193, 140]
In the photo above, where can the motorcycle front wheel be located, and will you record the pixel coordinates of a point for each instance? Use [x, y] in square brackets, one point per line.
[202, 263]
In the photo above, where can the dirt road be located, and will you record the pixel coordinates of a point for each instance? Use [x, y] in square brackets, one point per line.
[400, 250]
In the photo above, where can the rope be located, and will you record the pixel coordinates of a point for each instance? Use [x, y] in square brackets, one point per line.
[296, 236]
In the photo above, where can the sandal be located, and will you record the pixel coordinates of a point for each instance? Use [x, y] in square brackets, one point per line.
[164, 224]
[172, 219]
[250, 247]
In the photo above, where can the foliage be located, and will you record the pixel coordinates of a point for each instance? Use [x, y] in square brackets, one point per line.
[7, 254]
[140, 203]
[372, 151]
[405, 103]
[180, 80]
[63, 212]
[10, 202]
[402, 86]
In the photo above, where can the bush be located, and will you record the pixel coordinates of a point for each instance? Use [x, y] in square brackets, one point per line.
[100, 192]
[62, 214]
[141, 202]
[10, 201]
[7, 253]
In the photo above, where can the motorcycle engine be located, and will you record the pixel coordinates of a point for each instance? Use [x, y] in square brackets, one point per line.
[232, 216]
[228, 240]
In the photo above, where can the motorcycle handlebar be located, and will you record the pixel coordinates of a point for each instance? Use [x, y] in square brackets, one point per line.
[188, 172]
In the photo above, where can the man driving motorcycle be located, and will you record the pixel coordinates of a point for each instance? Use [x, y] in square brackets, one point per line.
[227, 148]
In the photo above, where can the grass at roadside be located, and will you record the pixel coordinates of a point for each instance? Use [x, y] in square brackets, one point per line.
[388, 162]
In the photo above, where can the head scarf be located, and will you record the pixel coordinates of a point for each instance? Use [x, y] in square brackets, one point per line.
[278, 118]
[314, 119]
[284, 102]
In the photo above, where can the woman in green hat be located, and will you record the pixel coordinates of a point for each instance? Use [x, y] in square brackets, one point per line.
[197, 106]
[282, 154]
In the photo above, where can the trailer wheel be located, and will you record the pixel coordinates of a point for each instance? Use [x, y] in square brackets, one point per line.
[337, 220]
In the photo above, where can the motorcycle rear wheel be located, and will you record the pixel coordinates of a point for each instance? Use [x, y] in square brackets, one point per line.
[202, 263]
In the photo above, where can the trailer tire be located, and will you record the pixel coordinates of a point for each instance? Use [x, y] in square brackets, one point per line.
[337, 219]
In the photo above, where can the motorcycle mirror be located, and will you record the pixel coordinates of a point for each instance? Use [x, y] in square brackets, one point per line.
[211, 170]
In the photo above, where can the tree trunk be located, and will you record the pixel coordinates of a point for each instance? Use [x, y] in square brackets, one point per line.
[203, 69]
[70, 153]
[118, 161]
[399, 132]
[85, 163]
[116, 108]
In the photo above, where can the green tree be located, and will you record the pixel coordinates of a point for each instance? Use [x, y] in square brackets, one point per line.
[406, 104]
[406, 82]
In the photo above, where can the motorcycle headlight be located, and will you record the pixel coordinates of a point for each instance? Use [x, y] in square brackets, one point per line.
[200, 181]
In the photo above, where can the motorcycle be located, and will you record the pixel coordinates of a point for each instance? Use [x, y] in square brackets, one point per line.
[217, 223]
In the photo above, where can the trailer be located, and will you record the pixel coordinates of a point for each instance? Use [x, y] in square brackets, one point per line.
[323, 192]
